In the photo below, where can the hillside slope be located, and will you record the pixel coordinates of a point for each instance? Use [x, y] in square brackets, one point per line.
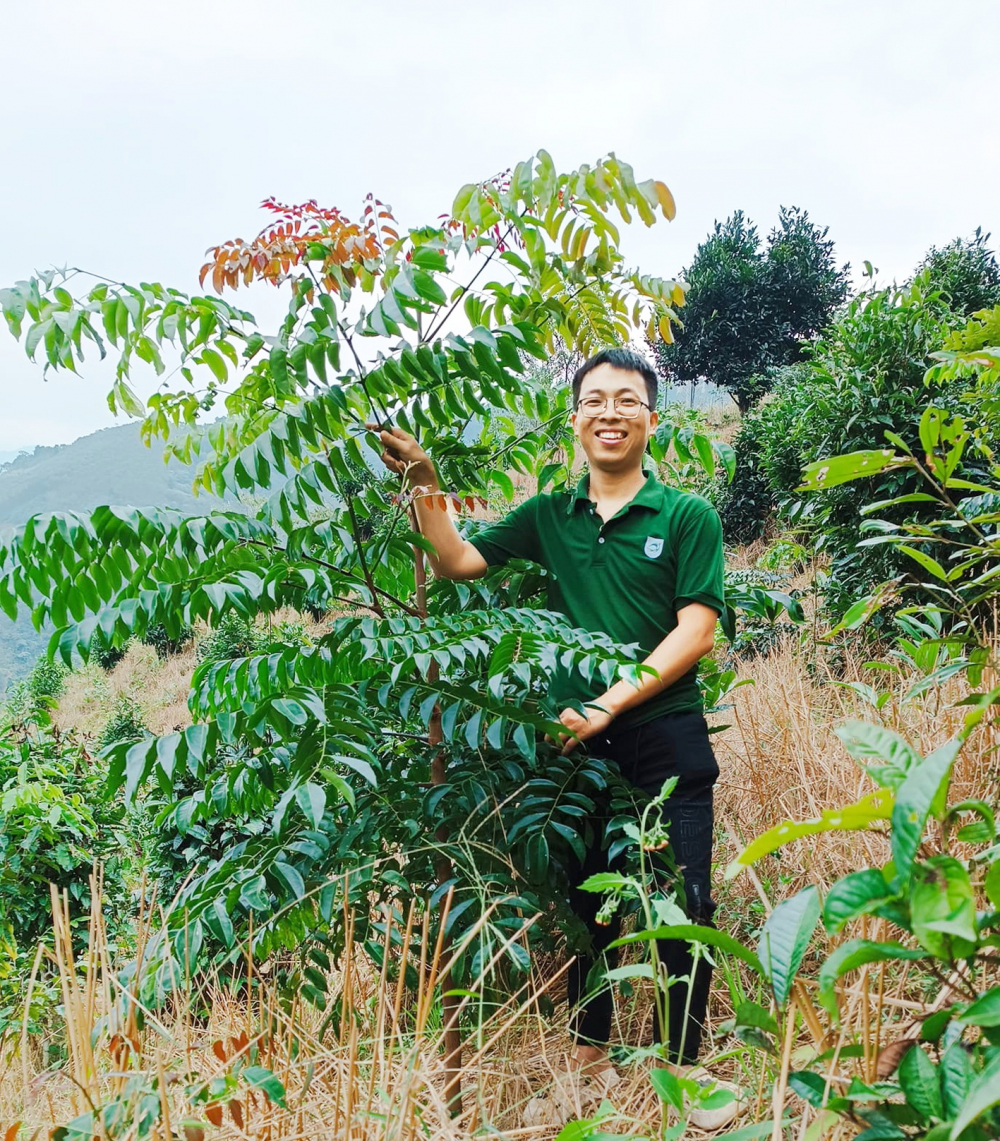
[110, 466]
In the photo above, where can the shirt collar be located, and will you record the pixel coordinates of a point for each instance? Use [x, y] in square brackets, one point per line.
[650, 495]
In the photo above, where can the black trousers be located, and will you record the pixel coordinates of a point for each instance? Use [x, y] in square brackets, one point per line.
[672, 745]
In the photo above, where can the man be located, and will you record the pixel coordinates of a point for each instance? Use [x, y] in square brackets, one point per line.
[643, 563]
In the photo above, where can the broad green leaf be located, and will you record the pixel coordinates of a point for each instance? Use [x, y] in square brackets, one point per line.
[857, 953]
[992, 885]
[753, 1014]
[932, 566]
[923, 787]
[311, 799]
[857, 893]
[262, 1079]
[867, 811]
[843, 469]
[697, 933]
[942, 907]
[957, 1075]
[605, 881]
[785, 940]
[919, 1078]
[867, 742]
[983, 1094]
[985, 1011]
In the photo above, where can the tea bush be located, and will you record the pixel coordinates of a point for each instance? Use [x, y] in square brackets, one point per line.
[57, 823]
[867, 376]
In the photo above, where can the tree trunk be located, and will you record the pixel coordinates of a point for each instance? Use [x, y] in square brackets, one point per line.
[449, 1001]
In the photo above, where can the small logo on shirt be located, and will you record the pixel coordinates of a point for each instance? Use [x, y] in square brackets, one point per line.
[653, 548]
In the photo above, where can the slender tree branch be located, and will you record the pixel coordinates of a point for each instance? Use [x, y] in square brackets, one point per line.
[433, 332]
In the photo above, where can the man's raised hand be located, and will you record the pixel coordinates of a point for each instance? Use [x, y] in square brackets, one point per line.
[404, 456]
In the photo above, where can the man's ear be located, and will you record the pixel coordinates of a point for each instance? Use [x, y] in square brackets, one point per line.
[654, 419]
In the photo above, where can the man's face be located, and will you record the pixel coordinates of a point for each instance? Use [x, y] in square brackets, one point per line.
[613, 441]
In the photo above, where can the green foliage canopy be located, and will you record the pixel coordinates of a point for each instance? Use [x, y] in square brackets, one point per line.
[320, 761]
[752, 309]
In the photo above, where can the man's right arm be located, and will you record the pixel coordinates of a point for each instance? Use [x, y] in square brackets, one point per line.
[455, 557]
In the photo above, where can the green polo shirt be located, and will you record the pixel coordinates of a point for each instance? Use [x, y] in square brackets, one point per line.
[627, 577]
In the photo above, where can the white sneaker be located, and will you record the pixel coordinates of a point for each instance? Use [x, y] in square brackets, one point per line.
[712, 1119]
[572, 1094]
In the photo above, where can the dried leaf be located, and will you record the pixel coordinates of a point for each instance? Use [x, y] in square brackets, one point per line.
[890, 1057]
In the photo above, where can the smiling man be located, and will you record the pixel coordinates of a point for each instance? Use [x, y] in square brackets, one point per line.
[643, 563]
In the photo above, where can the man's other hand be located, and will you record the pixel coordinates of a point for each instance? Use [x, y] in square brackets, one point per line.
[404, 456]
[581, 728]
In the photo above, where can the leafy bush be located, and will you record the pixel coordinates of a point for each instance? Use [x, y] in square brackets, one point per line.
[867, 376]
[233, 637]
[46, 680]
[747, 502]
[124, 723]
[56, 825]
[966, 273]
[104, 654]
[165, 643]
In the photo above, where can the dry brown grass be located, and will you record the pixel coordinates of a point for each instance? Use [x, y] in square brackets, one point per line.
[379, 1074]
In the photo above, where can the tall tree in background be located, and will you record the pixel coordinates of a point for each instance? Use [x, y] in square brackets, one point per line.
[750, 308]
[966, 270]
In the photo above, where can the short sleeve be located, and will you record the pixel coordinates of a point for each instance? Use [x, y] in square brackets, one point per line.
[513, 537]
[700, 560]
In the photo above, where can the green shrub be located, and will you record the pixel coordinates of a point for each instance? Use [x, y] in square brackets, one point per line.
[867, 376]
[56, 824]
[104, 654]
[124, 724]
[966, 272]
[747, 503]
[164, 643]
[47, 680]
[233, 637]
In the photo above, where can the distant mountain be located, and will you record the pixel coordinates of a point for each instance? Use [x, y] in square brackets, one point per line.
[111, 466]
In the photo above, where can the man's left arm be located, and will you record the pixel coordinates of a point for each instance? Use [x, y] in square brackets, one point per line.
[682, 648]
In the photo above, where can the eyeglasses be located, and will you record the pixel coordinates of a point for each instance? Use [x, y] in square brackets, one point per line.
[627, 406]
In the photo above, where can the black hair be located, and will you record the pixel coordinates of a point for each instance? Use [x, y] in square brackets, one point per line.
[625, 360]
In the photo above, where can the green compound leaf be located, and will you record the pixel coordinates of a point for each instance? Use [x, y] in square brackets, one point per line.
[785, 940]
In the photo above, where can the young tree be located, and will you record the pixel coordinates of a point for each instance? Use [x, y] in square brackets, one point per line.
[380, 764]
[966, 271]
[751, 309]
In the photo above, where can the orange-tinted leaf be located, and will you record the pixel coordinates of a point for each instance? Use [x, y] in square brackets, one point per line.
[11, 1133]
[194, 1133]
[236, 1109]
[214, 1114]
[666, 200]
[219, 1050]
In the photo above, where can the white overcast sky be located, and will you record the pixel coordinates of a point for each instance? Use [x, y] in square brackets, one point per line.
[136, 135]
